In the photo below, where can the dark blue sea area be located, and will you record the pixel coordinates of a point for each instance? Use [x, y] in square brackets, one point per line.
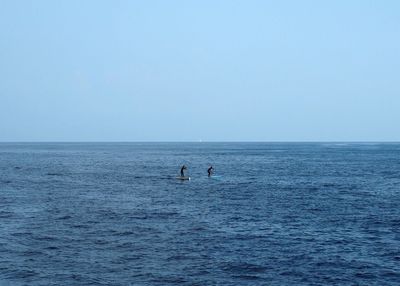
[274, 214]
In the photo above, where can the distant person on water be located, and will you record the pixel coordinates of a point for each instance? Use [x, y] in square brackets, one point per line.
[182, 171]
[210, 171]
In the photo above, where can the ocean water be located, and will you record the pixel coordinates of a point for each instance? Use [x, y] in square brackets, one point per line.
[276, 214]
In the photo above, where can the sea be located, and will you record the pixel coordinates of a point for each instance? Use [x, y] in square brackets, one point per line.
[272, 214]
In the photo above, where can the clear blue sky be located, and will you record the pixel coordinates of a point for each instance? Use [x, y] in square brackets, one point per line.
[199, 70]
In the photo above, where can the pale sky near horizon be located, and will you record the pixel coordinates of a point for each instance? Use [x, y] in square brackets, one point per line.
[199, 70]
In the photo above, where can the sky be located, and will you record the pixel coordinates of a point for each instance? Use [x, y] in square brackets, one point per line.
[219, 70]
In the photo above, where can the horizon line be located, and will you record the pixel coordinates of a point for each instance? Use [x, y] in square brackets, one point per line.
[205, 141]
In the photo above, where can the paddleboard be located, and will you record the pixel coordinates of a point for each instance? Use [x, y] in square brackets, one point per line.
[215, 177]
[183, 178]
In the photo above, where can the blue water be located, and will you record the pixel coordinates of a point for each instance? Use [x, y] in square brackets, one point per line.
[278, 214]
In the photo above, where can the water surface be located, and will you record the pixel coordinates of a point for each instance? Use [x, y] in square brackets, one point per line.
[278, 214]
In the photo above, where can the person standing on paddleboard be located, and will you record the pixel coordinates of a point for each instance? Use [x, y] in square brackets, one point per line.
[210, 171]
[182, 171]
